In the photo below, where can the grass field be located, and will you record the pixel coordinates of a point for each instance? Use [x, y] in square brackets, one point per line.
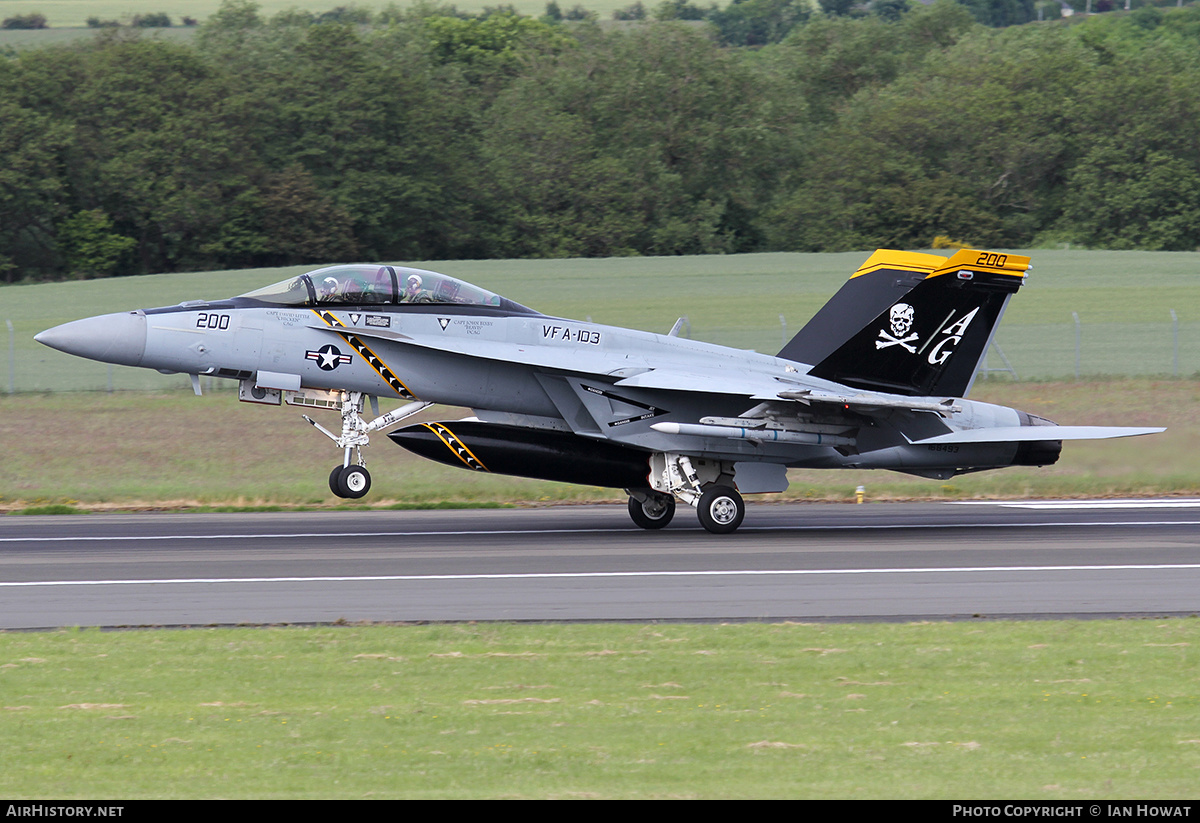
[75, 13]
[1124, 301]
[1053, 711]
[142, 448]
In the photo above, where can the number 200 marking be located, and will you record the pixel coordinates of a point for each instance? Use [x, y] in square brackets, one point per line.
[212, 321]
[996, 260]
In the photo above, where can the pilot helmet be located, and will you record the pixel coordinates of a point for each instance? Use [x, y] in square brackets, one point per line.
[414, 281]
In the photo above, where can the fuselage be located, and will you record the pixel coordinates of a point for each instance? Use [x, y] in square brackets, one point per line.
[660, 416]
[511, 364]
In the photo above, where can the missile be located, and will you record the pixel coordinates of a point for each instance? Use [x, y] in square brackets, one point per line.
[543, 454]
[758, 434]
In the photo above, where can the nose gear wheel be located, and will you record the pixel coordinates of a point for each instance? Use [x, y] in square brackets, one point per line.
[351, 482]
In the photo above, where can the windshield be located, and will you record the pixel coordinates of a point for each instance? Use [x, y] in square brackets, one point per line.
[359, 285]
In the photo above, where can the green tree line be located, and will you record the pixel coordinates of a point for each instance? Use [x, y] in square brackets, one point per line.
[431, 134]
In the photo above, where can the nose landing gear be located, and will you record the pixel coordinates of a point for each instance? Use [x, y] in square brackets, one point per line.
[351, 480]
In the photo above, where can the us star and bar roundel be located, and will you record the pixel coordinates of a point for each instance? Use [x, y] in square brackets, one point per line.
[373, 360]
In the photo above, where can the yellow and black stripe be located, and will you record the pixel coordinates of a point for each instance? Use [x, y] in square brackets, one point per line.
[547, 454]
[364, 351]
[456, 446]
[932, 265]
[899, 262]
[975, 261]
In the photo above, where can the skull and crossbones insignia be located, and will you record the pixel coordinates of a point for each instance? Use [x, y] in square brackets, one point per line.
[901, 318]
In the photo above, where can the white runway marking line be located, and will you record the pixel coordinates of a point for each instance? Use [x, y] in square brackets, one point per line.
[302, 535]
[117, 538]
[1178, 503]
[596, 575]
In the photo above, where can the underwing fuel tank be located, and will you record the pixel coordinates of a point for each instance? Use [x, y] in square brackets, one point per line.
[537, 453]
[1038, 453]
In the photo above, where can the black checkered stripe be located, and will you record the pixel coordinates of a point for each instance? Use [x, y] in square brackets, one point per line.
[457, 446]
[364, 351]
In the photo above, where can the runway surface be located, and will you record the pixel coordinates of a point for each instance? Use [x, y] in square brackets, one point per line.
[789, 561]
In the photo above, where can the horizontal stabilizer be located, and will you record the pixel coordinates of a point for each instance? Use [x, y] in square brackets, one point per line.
[1016, 434]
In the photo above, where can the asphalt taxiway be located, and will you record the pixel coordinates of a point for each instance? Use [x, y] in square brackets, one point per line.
[788, 561]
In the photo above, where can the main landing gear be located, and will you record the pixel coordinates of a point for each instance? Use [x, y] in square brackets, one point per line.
[720, 509]
[651, 509]
[706, 485]
[351, 480]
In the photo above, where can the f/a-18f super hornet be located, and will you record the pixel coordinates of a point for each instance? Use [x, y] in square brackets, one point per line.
[876, 380]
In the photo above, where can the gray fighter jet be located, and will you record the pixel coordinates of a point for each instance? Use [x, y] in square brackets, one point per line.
[876, 380]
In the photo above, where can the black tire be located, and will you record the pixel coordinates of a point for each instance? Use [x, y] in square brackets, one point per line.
[654, 514]
[721, 509]
[354, 482]
[335, 477]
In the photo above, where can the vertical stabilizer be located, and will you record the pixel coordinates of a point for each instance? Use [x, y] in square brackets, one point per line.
[881, 281]
[929, 340]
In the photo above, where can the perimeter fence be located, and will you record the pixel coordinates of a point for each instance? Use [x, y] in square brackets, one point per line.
[1069, 350]
[1073, 349]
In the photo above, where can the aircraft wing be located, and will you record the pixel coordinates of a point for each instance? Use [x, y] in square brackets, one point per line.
[1013, 434]
[764, 387]
[779, 393]
[713, 380]
[736, 381]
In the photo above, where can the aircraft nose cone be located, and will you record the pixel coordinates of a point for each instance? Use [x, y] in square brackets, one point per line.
[109, 338]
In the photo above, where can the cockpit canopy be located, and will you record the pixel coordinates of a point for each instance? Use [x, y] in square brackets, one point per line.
[365, 285]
